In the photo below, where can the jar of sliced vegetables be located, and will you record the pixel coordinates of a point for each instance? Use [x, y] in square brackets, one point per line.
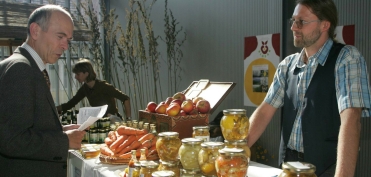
[231, 162]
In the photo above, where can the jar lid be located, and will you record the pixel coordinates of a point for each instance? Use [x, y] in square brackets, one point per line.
[163, 173]
[212, 145]
[232, 151]
[200, 127]
[234, 111]
[299, 167]
[168, 134]
[191, 141]
[148, 164]
[170, 163]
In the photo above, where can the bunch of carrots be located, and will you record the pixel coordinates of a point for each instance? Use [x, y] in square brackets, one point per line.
[119, 143]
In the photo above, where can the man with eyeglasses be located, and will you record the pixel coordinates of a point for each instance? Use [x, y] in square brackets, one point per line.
[324, 92]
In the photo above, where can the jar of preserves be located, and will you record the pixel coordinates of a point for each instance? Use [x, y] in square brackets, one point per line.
[101, 135]
[298, 169]
[93, 136]
[136, 171]
[167, 145]
[207, 156]
[163, 173]
[194, 173]
[188, 153]
[147, 168]
[231, 162]
[239, 144]
[201, 132]
[234, 124]
[170, 166]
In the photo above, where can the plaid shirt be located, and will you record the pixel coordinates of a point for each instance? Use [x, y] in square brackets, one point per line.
[351, 79]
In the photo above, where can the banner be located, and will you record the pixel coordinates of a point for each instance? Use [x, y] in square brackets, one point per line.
[345, 34]
[262, 55]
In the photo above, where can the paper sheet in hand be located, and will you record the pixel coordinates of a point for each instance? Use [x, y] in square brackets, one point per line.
[88, 115]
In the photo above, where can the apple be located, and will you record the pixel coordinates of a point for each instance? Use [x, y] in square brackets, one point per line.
[168, 100]
[179, 96]
[196, 99]
[176, 101]
[193, 112]
[161, 109]
[173, 110]
[182, 113]
[203, 106]
[187, 106]
[151, 106]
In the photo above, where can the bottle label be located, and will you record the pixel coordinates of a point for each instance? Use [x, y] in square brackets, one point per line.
[130, 172]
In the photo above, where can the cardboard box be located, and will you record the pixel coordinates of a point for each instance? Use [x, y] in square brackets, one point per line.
[214, 92]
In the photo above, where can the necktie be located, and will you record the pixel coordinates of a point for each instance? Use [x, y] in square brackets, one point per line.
[46, 76]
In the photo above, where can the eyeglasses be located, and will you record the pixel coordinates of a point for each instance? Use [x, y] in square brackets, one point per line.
[300, 23]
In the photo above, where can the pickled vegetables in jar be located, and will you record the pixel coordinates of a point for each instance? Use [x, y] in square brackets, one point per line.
[298, 169]
[239, 144]
[234, 124]
[207, 156]
[231, 162]
[167, 145]
[188, 153]
[170, 166]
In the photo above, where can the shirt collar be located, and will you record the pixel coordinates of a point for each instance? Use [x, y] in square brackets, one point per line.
[35, 56]
[320, 56]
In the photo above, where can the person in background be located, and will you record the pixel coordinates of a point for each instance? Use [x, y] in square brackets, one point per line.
[98, 92]
[324, 91]
[33, 141]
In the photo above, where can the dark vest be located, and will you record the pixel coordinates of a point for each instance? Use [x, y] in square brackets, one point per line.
[321, 118]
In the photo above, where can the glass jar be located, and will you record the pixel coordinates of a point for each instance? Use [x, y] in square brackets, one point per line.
[136, 171]
[163, 173]
[234, 124]
[147, 168]
[231, 162]
[193, 173]
[188, 153]
[101, 135]
[239, 144]
[201, 132]
[170, 166]
[298, 169]
[207, 156]
[167, 145]
[93, 136]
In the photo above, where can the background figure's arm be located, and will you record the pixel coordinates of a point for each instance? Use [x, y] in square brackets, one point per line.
[348, 144]
[259, 121]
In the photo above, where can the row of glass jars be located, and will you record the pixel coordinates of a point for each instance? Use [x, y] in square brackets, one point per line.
[198, 156]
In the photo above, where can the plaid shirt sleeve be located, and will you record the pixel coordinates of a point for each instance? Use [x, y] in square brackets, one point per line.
[352, 82]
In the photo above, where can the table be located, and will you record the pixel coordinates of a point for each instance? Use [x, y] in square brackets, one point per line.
[80, 167]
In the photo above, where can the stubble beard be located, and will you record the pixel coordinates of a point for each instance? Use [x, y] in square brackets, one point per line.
[308, 40]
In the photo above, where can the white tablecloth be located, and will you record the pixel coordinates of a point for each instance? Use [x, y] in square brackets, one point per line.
[78, 166]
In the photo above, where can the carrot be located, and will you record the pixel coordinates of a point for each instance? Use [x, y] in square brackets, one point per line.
[112, 135]
[123, 130]
[117, 143]
[153, 151]
[146, 143]
[154, 140]
[147, 136]
[126, 143]
[108, 141]
[140, 136]
[132, 146]
[126, 155]
[106, 151]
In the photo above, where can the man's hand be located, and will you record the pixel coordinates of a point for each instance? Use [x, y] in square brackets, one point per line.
[75, 137]
[71, 127]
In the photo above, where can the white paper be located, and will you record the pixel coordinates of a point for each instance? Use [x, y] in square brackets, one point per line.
[88, 115]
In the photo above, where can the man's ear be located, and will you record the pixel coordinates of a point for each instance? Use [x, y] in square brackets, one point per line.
[325, 25]
[34, 30]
